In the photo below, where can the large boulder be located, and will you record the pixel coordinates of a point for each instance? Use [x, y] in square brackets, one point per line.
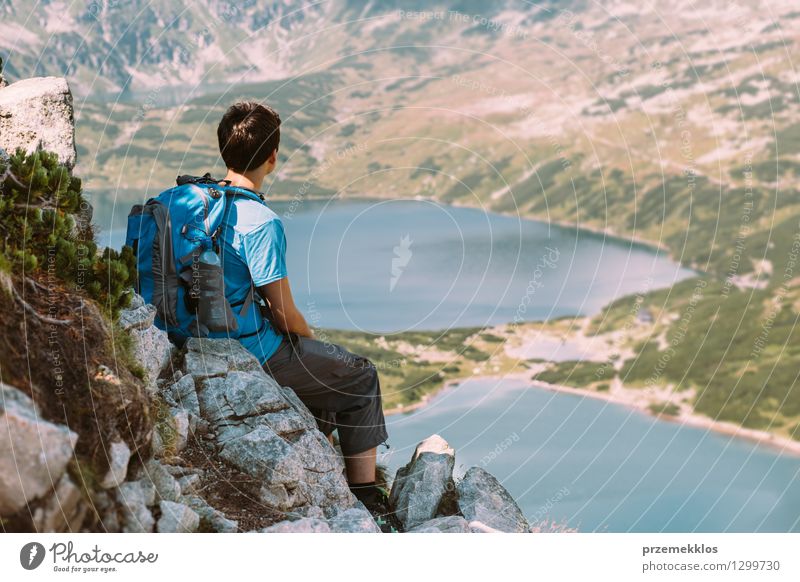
[33, 452]
[259, 429]
[481, 498]
[37, 114]
[420, 486]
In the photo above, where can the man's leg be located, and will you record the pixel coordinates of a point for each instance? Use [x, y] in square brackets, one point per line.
[361, 467]
[327, 377]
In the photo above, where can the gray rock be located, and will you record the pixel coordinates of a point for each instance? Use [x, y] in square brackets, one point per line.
[299, 407]
[232, 398]
[260, 431]
[37, 114]
[482, 498]
[447, 524]
[135, 515]
[303, 525]
[106, 507]
[210, 518]
[354, 520]
[166, 486]
[306, 511]
[179, 471]
[215, 357]
[64, 511]
[189, 483]
[140, 316]
[119, 455]
[263, 454]
[149, 495]
[33, 452]
[182, 394]
[180, 420]
[157, 445]
[137, 300]
[177, 518]
[419, 487]
[154, 351]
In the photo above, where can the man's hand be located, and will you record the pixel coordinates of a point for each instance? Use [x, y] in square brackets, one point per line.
[285, 314]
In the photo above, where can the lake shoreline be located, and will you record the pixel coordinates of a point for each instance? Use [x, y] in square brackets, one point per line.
[782, 445]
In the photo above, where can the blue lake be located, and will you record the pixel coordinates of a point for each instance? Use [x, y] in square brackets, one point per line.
[597, 466]
[389, 266]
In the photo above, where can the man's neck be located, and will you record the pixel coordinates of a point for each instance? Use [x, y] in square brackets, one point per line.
[244, 181]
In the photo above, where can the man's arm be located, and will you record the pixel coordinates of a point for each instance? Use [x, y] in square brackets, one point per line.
[285, 314]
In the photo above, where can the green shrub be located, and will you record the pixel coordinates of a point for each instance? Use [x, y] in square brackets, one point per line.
[42, 231]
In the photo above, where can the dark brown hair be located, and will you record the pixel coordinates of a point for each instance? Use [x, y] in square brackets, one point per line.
[248, 134]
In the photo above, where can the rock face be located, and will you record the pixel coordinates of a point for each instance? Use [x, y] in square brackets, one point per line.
[261, 431]
[356, 519]
[152, 347]
[33, 452]
[482, 498]
[154, 351]
[37, 114]
[420, 486]
[221, 405]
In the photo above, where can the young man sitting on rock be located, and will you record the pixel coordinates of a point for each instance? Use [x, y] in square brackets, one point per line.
[341, 389]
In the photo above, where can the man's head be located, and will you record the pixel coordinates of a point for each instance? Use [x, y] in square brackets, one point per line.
[249, 134]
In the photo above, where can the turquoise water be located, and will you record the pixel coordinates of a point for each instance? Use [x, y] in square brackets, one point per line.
[598, 466]
[389, 266]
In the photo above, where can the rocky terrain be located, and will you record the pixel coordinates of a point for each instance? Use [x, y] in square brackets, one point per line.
[198, 439]
[220, 406]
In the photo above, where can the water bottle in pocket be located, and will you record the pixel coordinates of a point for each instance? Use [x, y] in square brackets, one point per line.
[213, 310]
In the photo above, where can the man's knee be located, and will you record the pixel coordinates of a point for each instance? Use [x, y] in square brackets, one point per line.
[364, 376]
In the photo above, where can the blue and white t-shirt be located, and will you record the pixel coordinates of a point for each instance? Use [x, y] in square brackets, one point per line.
[253, 251]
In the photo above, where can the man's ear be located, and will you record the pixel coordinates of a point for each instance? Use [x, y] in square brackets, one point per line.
[274, 157]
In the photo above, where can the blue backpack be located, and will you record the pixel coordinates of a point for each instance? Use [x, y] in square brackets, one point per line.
[174, 237]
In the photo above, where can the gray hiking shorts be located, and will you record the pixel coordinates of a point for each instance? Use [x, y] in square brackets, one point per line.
[340, 388]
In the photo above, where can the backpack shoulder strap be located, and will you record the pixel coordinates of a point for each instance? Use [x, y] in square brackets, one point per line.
[234, 191]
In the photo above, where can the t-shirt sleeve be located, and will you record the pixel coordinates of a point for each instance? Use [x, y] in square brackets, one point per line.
[265, 252]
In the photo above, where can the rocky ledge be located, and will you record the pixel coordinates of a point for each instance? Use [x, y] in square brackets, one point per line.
[218, 411]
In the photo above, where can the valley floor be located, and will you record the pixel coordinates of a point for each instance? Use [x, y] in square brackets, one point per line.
[562, 355]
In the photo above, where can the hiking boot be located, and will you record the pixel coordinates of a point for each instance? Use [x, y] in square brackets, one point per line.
[376, 500]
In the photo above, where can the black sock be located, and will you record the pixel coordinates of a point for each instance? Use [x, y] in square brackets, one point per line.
[364, 492]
